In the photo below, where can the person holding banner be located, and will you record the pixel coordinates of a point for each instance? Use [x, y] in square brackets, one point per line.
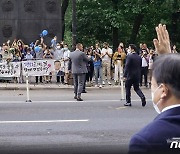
[39, 54]
[48, 55]
[58, 55]
[66, 61]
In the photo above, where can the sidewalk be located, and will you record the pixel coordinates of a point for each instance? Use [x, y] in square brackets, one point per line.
[43, 86]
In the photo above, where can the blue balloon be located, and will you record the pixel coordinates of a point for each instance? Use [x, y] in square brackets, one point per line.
[44, 32]
[37, 49]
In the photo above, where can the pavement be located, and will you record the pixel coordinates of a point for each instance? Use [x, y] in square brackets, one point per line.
[53, 85]
[32, 86]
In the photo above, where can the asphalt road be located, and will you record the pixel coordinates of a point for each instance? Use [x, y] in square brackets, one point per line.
[55, 123]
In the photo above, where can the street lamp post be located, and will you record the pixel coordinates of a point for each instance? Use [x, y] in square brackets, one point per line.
[73, 23]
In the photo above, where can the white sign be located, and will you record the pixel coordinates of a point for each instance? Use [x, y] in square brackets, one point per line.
[37, 67]
[11, 69]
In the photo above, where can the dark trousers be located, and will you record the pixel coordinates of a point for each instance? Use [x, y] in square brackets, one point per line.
[144, 72]
[90, 74]
[40, 79]
[78, 83]
[135, 84]
[58, 79]
[84, 86]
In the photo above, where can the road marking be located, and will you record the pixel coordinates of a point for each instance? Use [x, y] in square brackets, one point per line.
[119, 108]
[43, 121]
[85, 101]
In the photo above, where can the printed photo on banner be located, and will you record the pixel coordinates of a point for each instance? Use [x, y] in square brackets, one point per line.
[58, 68]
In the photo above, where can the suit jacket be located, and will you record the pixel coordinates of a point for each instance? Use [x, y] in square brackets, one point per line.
[133, 67]
[78, 62]
[154, 137]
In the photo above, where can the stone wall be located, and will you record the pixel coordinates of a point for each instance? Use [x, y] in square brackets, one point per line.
[25, 19]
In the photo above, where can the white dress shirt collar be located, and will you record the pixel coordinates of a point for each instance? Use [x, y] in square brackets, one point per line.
[170, 107]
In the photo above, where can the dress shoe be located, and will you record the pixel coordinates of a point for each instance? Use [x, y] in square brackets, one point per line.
[79, 99]
[150, 85]
[127, 104]
[143, 101]
[84, 91]
[75, 97]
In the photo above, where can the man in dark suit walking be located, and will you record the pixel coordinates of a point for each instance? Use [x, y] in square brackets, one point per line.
[77, 65]
[162, 135]
[132, 75]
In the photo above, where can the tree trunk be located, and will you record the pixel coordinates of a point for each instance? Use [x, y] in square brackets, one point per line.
[115, 38]
[175, 19]
[137, 23]
[115, 31]
[74, 26]
[65, 4]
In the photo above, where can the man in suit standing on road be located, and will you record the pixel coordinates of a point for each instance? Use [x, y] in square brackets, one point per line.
[77, 65]
[132, 75]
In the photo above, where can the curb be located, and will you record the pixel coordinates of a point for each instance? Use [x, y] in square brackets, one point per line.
[48, 87]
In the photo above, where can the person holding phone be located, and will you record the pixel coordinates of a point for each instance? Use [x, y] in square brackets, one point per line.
[118, 60]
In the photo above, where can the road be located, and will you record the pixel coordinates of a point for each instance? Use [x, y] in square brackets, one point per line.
[55, 123]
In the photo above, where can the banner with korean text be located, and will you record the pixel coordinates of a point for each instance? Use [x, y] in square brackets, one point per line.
[37, 67]
[11, 69]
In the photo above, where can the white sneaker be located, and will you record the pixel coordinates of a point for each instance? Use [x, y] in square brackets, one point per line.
[103, 83]
[100, 86]
[96, 85]
[109, 83]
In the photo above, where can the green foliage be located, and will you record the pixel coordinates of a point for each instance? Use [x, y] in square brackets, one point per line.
[96, 18]
[68, 23]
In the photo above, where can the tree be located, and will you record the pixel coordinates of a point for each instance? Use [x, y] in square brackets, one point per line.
[64, 7]
[175, 21]
[126, 20]
[115, 30]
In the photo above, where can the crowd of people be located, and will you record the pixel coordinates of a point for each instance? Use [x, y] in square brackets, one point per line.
[131, 64]
[104, 67]
[19, 51]
[162, 134]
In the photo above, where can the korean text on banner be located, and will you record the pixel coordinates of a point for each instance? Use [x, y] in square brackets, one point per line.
[37, 67]
[11, 69]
